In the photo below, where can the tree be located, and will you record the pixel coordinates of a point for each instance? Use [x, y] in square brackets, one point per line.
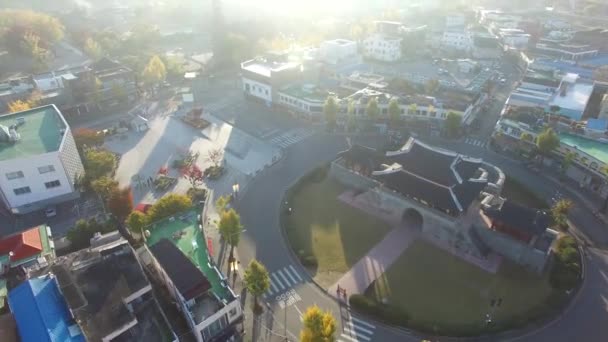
[215, 156]
[104, 186]
[221, 204]
[230, 230]
[394, 111]
[412, 109]
[87, 137]
[257, 280]
[567, 161]
[527, 137]
[546, 142]
[92, 48]
[372, 109]
[559, 212]
[330, 109]
[98, 162]
[137, 221]
[431, 86]
[193, 174]
[351, 121]
[175, 69]
[18, 106]
[80, 235]
[168, 205]
[154, 72]
[452, 124]
[120, 203]
[319, 326]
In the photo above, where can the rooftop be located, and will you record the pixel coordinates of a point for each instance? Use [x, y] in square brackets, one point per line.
[96, 283]
[526, 220]
[575, 98]
[307, 92]
[265, 67]
[41, 312]
[40, 133]
[183, 231]
[594, 148]
[26, 246]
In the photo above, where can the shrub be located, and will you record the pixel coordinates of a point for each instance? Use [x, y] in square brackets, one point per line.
[167, 206]
[566, 269]
[214, 172]
[197, 195]
[386, 313]
[309, 261]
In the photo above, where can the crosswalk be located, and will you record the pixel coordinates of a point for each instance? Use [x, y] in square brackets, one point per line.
[356, 330]
[475, 142]
[292, 136]
[282, 281]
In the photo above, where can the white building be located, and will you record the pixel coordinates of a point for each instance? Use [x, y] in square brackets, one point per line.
[514, 38]
[263, 76]
[39, 162]
[386, 48]
[456, 40]
[455, 20]
[338, 51]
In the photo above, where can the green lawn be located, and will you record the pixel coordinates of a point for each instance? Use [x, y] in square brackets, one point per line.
[337, 234]
[519, 193]
[437, 289]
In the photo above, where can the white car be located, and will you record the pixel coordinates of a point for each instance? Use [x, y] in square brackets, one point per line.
[50, 212]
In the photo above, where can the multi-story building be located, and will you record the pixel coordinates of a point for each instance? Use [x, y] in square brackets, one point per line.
[513, 38]
[177, 250]
[383, 47]
[339, 51]
[108, 293]
[262, 77]
[571, 52]
[456, 39]
[39, 162]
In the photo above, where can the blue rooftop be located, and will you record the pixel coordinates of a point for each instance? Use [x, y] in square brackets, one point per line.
[41, 312]
[597, 61]
[597, 124]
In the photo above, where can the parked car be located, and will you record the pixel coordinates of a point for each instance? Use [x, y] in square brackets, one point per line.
[50, 212]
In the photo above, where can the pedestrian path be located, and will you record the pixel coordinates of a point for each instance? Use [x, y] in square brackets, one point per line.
[291, 137]
[476, 142]
[356, 330]
[283, 281]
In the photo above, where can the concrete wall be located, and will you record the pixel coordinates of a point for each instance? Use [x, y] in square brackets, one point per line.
[515, 251]
[347, 177]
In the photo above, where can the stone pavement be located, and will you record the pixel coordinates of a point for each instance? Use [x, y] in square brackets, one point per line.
[375, 263]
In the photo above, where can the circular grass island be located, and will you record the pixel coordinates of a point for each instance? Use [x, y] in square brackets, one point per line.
[426, 288]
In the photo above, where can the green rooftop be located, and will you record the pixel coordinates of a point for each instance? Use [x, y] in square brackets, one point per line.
[183, 231]
[308, 92]
[593, 148]
[40, 133]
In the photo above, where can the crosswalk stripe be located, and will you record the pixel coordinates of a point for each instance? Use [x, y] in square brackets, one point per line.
[296, 273]
[278, 281]
[284, 278]
[360, 328]
[274, 287]
[289, 275]
[371, 326]
[349, 338]
[357, 335]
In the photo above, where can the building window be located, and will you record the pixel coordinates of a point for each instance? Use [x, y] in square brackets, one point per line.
[45, 169]
[52, 184]
[14, 175]
[23, 190]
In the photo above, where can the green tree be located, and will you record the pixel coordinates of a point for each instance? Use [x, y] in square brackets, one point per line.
[567, 161]
[372, 109]
[546, 142]
[394, 111]
[137, 221]
[559, 213]
[168, 205]
[452, 124]
[351, 120]
[431, 86]
[98, 162]
[230, 228]
[527, 137]
[319, 326]
[257, 280]
[412, 109]
[120, 203]
[221, 204]
[175, 69]
[80, 235]
[104, 186]
[92, 49]
[330, 109]
[86, 137]
[154, 72]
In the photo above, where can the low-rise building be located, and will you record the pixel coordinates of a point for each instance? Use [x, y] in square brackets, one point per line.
[108, 293]
[566, 51]
[39, 162]
[339, 51]
[307, 99]
[31, 249]
[513, 38]
[456, 39]
[262, 77]
[41, 313]
[177, 250]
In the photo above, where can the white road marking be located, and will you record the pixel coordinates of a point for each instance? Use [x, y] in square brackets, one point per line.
[294, 271]
[274, 276]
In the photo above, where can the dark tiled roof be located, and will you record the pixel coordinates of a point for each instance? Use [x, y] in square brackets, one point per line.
[105, 64]
[430, 164]
[362, 155]
[516, 216]
[467, 192]
[410, 185]
[466, 168]
[186, 277]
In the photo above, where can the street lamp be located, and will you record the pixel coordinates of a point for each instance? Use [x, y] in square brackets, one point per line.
[235, 189]
[234, 267]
